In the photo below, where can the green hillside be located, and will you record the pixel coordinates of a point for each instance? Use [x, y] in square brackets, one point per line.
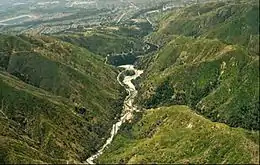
[217, 80]
[208, 61]
[58, 101]
[104, 42]
[177, 135]
[198, 95]
[217, 77]
[233, 22]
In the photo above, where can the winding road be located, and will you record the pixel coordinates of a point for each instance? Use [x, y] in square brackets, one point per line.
[128, 108]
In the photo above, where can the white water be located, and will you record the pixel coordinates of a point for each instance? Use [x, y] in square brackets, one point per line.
[128, 108]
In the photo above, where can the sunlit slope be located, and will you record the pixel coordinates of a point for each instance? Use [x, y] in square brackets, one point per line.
[59, 99]
[39, 127]
[104, 42]
[177, 135]
[209, 60]
[233, 22]
[217, 80]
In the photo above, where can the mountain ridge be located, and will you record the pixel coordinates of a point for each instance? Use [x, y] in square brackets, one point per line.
[59, 98]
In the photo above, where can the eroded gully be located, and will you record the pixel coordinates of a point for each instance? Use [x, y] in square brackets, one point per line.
[128, 107]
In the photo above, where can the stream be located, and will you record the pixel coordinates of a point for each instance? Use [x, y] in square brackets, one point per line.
[128, 107]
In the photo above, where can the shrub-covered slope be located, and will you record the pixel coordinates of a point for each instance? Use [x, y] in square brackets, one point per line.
[209, 61]
[58, 101]
[217, 80]
[37, 127]
[103, 43]
[233, 22]
[177, 135]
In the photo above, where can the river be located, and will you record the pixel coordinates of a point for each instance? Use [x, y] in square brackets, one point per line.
[128, 107]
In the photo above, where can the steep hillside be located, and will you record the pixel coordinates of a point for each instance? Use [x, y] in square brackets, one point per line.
[37, 127]
[207, 62]
[234, 22]
[104, 42]
[177, 135]
[198, 95]
[58, 101]
[217, 80]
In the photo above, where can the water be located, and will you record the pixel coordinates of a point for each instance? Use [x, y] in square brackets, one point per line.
[128, 108]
